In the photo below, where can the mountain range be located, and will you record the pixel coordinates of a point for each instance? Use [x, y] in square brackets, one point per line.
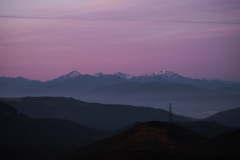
[192, 97]
[101, 79]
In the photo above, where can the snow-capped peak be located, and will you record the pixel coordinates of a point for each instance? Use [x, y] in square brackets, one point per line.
[160, 72]
[163, 73]
[123, 75]
[70, 75]
[152, 74]
[100, 74]
[171, 74]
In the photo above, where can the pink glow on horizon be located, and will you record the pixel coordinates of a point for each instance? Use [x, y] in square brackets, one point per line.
[193, 38]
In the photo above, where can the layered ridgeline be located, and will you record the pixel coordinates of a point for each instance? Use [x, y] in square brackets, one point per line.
[94, 115]
[114, 117]
[192, 97]
[22, 137]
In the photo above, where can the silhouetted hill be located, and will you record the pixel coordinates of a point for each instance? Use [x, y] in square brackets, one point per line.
[227, 144]
[147, 140]
[202, 127]
[207, 128]
[5, 109]
[158, 140]
[93, 115]
[227, 118]
[24, 138]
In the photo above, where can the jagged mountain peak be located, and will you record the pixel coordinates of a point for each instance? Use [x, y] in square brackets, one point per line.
[123, 75]
[149, 76]
[163, 73]
[68, 76]
[99, 73]
[73, 74]
[170, 74]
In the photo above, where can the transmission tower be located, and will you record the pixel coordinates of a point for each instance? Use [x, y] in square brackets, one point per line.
[170, 113]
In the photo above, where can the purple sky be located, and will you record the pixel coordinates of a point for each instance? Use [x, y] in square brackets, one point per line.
[45, 39]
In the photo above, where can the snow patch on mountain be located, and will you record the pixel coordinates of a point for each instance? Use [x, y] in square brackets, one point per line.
[68, 76]
[124, 76]
[149, 76]
[98, 74]
[171, 74]
[164, 74]
[72, 74]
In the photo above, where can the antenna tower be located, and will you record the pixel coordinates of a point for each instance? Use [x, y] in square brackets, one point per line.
[170, 113]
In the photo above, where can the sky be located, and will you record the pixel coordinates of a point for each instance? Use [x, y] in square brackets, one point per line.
[45, 39]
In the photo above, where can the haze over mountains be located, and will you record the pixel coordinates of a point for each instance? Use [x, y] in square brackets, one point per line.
[113, 117]
[191, 97]
[94, 115]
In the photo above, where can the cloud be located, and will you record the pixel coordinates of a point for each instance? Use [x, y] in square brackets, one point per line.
[103, 2]
[25, 17]
[206, 11]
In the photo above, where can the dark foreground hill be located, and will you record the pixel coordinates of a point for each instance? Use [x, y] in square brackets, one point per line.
[150, 140]
[24, 138]
[93, 115]
[207, 128]
[159, 140]
[227, 145]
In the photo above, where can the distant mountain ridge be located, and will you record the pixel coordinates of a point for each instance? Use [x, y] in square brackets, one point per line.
[146, 77]
[68, 76]
[156, 90]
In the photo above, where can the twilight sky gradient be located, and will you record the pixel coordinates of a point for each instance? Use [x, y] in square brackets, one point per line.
[45, 39]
